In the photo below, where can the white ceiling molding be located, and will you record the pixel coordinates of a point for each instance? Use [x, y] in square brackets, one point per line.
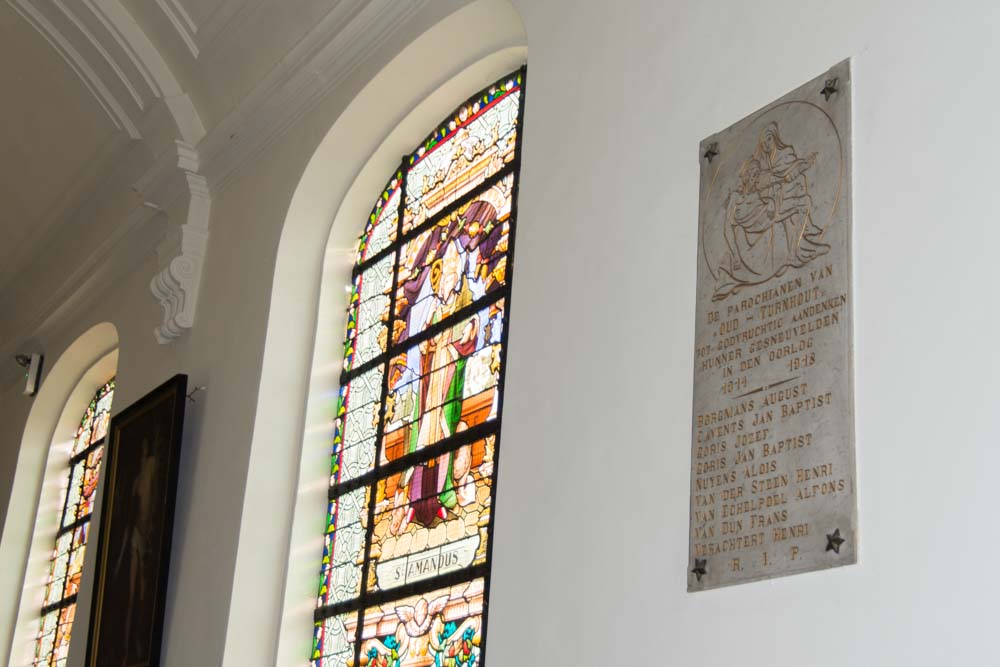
[320, 62]
[182, 23]
[116, 61]
[179, 184]
[117, 46]
[175, 187]
[78, 64]
[126, 48]
[126, 82]
[123, 27]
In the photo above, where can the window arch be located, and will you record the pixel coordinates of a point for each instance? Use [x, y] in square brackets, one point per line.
[66, 561]
[406, 562]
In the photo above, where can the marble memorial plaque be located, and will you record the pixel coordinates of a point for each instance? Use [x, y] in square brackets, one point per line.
[772, 448]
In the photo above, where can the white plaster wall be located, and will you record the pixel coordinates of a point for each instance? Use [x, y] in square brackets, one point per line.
[590, 551]
[593, 492]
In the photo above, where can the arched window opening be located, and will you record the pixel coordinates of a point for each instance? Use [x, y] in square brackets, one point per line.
[66, 562]
[406, 563]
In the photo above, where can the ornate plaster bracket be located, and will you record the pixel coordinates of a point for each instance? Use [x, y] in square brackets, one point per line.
[175, 188]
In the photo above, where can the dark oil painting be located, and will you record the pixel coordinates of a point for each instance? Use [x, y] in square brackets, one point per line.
[136, 526]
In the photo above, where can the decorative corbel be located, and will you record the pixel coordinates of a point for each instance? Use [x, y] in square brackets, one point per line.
[174, 187]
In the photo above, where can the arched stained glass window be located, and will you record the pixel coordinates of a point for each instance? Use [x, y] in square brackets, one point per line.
[66, 563]
[406, 564]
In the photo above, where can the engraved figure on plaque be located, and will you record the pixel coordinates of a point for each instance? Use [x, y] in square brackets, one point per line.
[769, 223]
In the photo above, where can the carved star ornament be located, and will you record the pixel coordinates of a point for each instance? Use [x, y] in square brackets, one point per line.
[699, 568]
[834, 540]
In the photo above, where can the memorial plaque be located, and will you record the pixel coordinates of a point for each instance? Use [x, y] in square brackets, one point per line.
[772, 451]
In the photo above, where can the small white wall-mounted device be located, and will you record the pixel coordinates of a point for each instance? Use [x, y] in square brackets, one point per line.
[32, 364]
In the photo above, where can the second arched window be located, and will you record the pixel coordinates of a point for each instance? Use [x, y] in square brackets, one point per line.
[406, 564]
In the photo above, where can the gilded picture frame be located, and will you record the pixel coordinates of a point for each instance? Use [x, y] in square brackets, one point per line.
[136, 527]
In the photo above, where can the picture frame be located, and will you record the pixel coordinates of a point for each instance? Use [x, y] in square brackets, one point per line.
[142, 463]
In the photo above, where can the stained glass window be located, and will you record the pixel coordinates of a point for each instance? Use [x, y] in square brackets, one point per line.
[406, 564]
[66, 562]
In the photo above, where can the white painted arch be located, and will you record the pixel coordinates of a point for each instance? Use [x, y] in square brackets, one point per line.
[32, 519]
[280, 541]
